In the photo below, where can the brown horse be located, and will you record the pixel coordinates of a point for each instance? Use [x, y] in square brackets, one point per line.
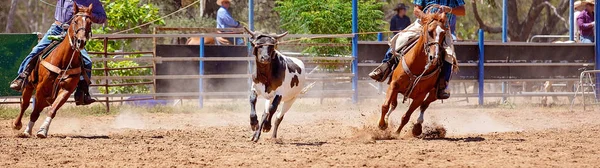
[417, 73]
[58, 74]
[207, 40]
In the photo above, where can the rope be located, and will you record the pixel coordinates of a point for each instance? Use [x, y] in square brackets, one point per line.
[49, 4]
[148, 23]
[336, 35]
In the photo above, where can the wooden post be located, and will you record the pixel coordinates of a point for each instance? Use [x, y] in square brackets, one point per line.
[154, 43]
[106, 72]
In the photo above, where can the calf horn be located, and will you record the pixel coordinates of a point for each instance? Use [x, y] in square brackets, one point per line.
[280, 35]
[250, 32]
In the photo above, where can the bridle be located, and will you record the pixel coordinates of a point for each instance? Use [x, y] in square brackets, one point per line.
[76, 46]
[430, 60]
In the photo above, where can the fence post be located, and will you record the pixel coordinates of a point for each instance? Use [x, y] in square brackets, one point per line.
[597, 50]
[355, 50]
[380, 84]
[571, 21]
[504, 39]
[480, 78]
[201, 73]
[106, 73]
[251, 14]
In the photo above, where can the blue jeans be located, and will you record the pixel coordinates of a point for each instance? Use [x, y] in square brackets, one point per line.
[586, 39]
[388, 56]
[42, 44]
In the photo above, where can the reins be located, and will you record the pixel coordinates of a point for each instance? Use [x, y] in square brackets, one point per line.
[417, 79]
[75, 49]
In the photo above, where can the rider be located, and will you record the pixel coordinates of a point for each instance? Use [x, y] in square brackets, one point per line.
[62, 15]
[402, 38]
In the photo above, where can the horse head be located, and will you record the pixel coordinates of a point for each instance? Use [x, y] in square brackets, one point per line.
[434, 31]
[80, 29]
[264, 46]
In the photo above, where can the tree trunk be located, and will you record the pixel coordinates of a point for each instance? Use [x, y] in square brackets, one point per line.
[521, 26]
[10, 17]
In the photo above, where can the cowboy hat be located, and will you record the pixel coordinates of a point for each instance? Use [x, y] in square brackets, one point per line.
[220, 2]
[578, 4]
[400, 6]
[593, 2]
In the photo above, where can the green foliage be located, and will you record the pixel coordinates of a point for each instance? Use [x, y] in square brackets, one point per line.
[124, 14]
[14, 48]
[329, 17]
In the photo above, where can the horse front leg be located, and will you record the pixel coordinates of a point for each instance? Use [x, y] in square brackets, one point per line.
[418, 127]
[253, 117]
[413, 106]
[269, 110]
[38, 107]
[63, 96]
[391, 99]
[26, 97]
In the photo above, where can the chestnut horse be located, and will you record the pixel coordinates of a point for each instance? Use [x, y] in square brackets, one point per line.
[417, 73]
[58, 74]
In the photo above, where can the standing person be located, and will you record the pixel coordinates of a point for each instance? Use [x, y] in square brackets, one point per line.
[586, 23]
[400, 21]
[62, 15]
[224, 20]
[401, 39]
[578, 7]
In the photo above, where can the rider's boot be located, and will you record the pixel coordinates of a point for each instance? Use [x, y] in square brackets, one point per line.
[17, 84]
[444, 79]
[382, 71]
[82, 94]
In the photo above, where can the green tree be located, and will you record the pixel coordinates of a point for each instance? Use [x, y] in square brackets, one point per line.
[122, 15]
[329, 17]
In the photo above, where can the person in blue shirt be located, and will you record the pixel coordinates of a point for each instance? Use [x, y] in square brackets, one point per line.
[224, 20]
[400, 21]
[401, 39]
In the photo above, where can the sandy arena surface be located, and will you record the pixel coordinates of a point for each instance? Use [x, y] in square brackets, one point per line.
[332, 134]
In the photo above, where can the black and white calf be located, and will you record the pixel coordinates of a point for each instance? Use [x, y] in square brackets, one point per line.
[277, 78]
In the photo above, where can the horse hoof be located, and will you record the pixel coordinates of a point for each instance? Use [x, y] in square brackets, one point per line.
[17, 125]
[254, 127]
[383, 126]
[42, 134]
[255, 136]
[266, 128]
[417, 130]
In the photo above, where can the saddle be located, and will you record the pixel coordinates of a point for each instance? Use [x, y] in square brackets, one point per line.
[396, 58]
[56, 40]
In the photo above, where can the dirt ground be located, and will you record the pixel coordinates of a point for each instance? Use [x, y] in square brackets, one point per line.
[332, 134]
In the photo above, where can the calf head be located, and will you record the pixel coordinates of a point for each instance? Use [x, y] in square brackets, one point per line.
[264, 46]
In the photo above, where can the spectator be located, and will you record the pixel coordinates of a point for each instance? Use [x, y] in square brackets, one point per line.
[586, 23]
[224, 20]
[578, 6]
[400, 21]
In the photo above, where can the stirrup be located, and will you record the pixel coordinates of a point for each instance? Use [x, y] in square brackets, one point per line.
[379, 73]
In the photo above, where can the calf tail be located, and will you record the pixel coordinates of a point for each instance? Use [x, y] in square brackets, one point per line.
[305, 89]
